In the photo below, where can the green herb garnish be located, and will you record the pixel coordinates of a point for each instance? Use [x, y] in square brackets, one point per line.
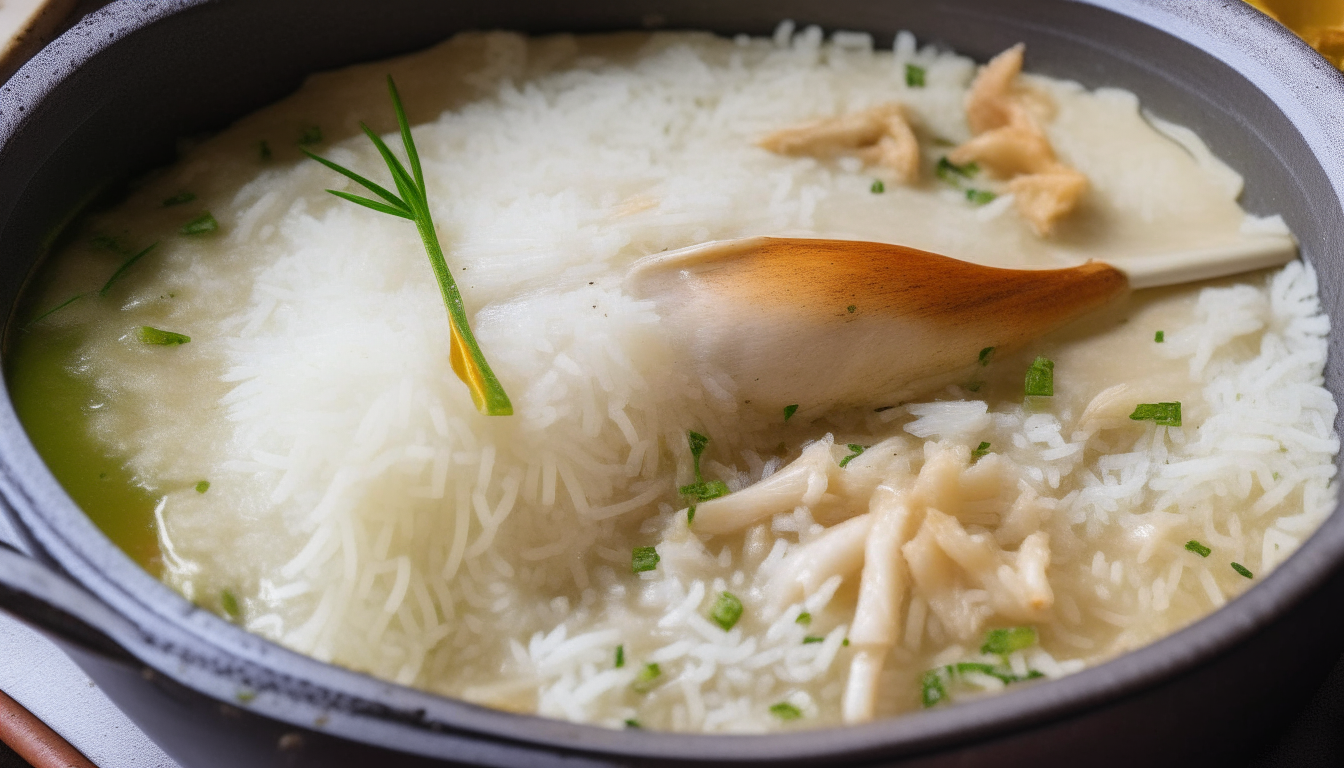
[851, 308]
[857, 450]
[229, 602]
[980, 450]
[914, 76]
[1041, 378]
[878, 187]
[53, 310]
[1243, 570]
[810, 639]
[726, 611]
[804, 618]
[310, 136]
[201, 225]
[620, 656]
[844, 643]
[644, 559]
[633, 724]
[789, 410]
[986, 355]
[952, 173]
[245, 695]
[1002, 642]
[163, 338]
[125, 266]
[179, 199]
[785, 711]
[465, 354]
[932, 690]
[1159, 337]
[1165, 414]
[980, 196]
[1197, 548]
[702, 490]
[263, 150]
[203, 486]
[647, 678]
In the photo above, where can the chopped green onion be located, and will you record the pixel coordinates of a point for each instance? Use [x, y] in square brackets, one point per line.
[245, 695]
[980, 450]
[974, 386]
[645, 681]
[203, 486]
[1165, 414]
[850, 309]
[785, 711]
[914, 76]
[1197, 548]
[857, 450]
[1275, 475]
[980, 196]
[932, 691]
[632, 724]
[704, 490]
[620, 656]
[1004, 641]
[690, 514]
[179, 199]
[122, 269]
[1041, 378]
[644, 559]
[845, 642]
[810, 639]
[201, 225]
[952, 173]
[263, 150]
[1159, 337]
[150, 335]
[698, 443]
[789, 410]
[986, 355]
[804, 618]
[1243, 570]
[878, 187]
[726, 611]
[310, 136]
[229, 602]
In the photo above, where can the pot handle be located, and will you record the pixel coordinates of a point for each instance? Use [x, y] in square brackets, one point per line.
[52, 603]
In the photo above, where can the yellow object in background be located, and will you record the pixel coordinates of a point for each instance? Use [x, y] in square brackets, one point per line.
[1319, 22]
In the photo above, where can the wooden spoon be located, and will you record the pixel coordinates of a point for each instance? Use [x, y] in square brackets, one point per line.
[821, 323]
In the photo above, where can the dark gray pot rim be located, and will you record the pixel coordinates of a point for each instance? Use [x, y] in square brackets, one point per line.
[202, 652]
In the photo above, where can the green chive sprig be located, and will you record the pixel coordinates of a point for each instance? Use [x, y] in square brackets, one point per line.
[465, 353]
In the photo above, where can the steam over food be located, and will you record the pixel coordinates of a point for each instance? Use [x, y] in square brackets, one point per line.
[247, 382]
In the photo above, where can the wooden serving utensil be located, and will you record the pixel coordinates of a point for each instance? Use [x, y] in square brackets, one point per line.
[821, 323]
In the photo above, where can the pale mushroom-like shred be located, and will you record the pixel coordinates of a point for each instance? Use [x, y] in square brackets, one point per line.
[882, 588]
[1009, 142]
[879, 135]
[837, 552]
[801, 482]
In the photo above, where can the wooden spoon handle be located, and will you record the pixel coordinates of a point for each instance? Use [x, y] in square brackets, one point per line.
[1207, 263]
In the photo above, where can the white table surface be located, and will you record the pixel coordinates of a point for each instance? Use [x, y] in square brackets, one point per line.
[39, 676]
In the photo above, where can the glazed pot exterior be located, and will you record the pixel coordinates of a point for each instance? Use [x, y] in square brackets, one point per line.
[110, 98]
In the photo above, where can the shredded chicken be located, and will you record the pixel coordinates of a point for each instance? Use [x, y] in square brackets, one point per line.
[913, 536]
[879, 135]
[1009, 142]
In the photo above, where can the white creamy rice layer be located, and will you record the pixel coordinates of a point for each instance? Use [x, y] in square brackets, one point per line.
[364, 513]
